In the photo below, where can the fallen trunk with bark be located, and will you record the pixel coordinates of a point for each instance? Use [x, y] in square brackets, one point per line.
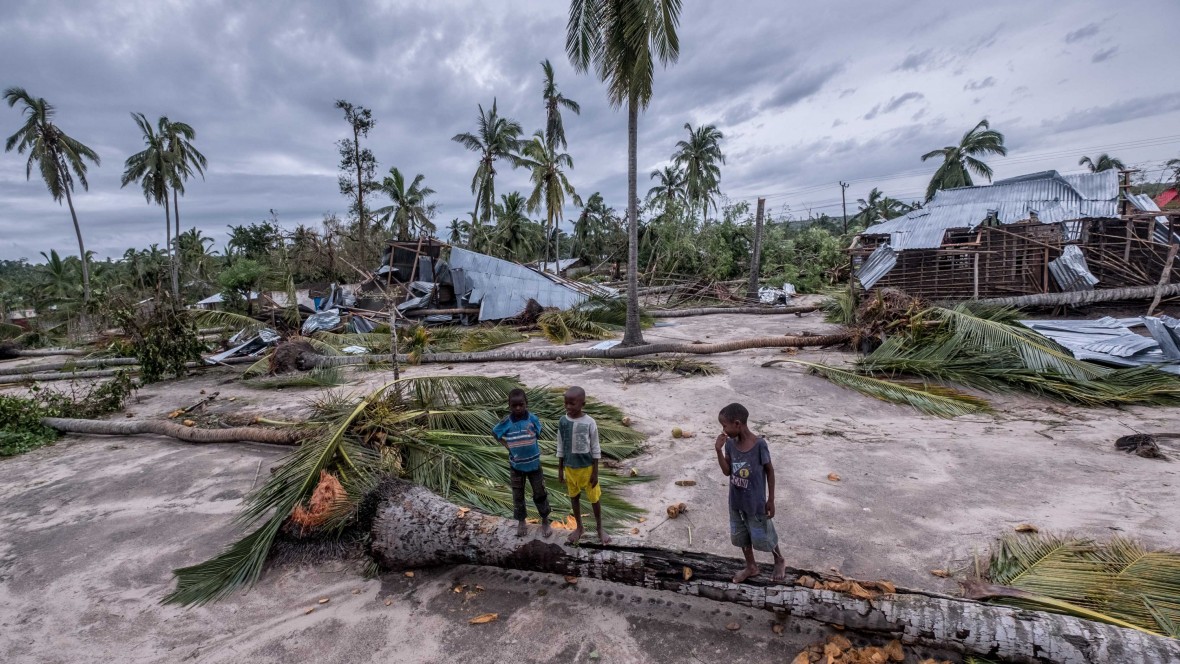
[174, 430]
[707, 311]
[40, 375]
[1078, 298]
[416, 528]
[49, 352]
[558, 353]
[68, 365]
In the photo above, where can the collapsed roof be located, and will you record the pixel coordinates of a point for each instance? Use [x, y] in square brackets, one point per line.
[1047, 196]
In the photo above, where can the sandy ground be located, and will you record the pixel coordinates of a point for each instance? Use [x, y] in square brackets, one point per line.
[92, 527]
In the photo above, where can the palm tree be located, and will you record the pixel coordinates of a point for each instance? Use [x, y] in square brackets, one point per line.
[184, 159]
[516, 235]
[60, 159]
[57, 283]
[1104, 162]
[456, 231]
[550, 184]
[193, 249]
[669, 189]
[593, 228]
[699, 158]
[554, 101]
[409, 205]
[622, 40]
[878, 207]
[495, 138]
[960, 160]
[155, 171]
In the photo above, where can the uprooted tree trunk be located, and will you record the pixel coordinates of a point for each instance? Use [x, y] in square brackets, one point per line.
[173, 430]
[416, 528]
[47, 352]
[43, 373]
[69, 364]
[1078, 298]
[558, 353]
[706, 311]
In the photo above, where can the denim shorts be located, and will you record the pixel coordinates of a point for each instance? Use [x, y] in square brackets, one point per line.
[756, 530]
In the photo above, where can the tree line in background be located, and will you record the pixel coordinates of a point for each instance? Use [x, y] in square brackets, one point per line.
[668, 232]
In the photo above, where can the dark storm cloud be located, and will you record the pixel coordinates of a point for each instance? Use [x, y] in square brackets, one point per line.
[916, 61]
[798, 87]
[258, 83]
[1120, 111]
[988, 82]
[893, 104]
[1105, 54]
[1084, 32]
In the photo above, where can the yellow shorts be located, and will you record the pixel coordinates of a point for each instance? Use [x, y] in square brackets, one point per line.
[577, 481]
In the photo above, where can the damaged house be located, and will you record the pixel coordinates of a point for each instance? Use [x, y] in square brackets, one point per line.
[1038, 233]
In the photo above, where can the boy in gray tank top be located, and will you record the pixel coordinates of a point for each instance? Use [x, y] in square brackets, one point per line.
[745, 460]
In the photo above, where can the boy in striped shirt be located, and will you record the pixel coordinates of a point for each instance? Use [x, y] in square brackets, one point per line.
[518, 433]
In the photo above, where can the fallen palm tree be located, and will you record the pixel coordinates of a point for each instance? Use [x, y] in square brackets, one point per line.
[433, 431]
[711, 311]
[69, 365]
[173, 430]
[65, 372]
[922, 352]
[310, 360]
[415, 528]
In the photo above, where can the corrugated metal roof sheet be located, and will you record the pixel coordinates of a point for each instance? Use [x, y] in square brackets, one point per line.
[1070, 270]
[1144, 203]
[877, 265]
[1052, 196]
[1110, 341]
[503, 288]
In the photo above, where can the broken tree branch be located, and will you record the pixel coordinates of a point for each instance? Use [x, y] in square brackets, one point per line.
[172, 430]
[416, 528]
[1165, 276]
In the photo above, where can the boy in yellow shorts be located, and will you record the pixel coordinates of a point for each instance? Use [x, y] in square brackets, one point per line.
[578, 453]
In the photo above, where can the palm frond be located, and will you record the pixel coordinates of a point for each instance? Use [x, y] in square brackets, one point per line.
[930, 399]
[487, 338]
[209, 318]
[292, 482]
[988, 334]
[1119, 582]
[10, 331]
[261, 367]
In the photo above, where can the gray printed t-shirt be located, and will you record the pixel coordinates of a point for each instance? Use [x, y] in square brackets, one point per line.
[747, 476]
[577, 441]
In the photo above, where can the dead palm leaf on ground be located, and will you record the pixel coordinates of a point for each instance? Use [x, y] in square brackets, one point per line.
[1118, 582]
[929, 398]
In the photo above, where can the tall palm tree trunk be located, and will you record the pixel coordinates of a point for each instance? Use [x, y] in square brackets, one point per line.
[81, 248]
[176, 266]
[168, 239]
[632, 334]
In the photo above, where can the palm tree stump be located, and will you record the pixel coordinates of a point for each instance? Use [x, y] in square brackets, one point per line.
[416, 528]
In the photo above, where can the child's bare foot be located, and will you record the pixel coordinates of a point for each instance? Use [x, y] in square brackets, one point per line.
[603, 537]
[575, 536]
[747, 573]
[780, 570]
[546, 529]
[522, 529]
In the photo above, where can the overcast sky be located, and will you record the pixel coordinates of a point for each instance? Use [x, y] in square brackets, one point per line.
[806, 93]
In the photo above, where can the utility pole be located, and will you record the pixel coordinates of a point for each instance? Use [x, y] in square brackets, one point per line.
[844, 204]
[756, 258]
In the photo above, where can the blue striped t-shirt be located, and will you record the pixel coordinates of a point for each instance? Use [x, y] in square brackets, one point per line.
[524, 453]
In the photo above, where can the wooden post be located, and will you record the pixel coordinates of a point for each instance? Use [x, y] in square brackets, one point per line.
[1165, 276]
[756, 258]
[976, 295]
